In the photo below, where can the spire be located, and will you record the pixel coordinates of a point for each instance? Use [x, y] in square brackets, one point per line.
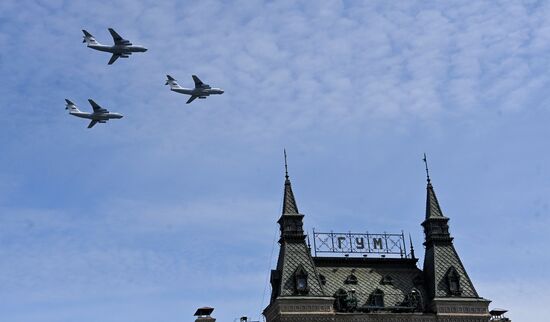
[289, 203]
[286, 166]
[412, 247]
[427, 171]
[433, 210]
[444, 273]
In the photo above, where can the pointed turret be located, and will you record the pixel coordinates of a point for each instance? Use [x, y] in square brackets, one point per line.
[446, 279]
[295, 273]
[291, 220]
[436, 225]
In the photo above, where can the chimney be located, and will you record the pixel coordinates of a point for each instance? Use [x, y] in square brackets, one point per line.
[203, 314]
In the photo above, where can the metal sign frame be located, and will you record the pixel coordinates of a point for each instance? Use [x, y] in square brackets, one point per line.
[359, 243]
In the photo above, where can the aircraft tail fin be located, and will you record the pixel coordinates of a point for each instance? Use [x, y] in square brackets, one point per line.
[71, 106]
[172, 82]
[89, 39]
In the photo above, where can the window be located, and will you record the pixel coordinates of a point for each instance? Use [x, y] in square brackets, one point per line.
[300, 281]
[345, 301]
[453, 282]
[376, 299]
[351, 279]
[414, 300]
[340, 300]
[387, 280]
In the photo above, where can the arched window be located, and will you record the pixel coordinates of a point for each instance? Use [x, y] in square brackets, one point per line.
[415, 300]
[376, 299]
[453, 281]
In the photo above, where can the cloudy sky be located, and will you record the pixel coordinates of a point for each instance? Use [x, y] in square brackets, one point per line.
[175, 206]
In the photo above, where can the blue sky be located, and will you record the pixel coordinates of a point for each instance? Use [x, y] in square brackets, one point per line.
[175, 206]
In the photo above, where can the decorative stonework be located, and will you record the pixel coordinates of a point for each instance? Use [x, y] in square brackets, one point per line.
[310, 308]
[461, 309]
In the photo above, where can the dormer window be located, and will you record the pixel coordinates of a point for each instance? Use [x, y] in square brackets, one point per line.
[345, 301]
[300, 281]
[351, 279]
[415, 300]
[453, 282]
[386, 280]
[340, 300]
[376, 299]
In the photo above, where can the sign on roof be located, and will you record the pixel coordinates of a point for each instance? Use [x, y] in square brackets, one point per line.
[359, 243]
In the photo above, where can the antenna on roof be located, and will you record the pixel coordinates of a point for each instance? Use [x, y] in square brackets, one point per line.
[427, 171]
[286, 166]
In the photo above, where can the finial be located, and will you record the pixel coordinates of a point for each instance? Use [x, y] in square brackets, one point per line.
[412, 247]
[427, 171]
[286, 166]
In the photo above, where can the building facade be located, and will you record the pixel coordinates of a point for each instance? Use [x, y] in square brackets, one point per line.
[364, 288]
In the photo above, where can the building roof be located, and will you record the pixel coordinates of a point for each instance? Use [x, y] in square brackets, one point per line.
[395, 277]
[447, 257]
[292, 256]
[204, 311]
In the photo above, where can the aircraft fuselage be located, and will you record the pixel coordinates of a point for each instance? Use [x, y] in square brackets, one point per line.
[119, 49]
[199, 92]
[97, 116]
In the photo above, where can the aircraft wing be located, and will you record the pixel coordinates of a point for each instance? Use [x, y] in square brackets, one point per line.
[92, 123]
[113, 59]
[199, 83]
[118, 39]
[97, 108]
[191, 99]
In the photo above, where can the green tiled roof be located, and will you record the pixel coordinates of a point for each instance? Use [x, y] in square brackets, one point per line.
[369, 278]
[292, 255]
[445, 257]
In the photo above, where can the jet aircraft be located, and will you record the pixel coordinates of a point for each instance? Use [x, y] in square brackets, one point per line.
[100, 115]
[122, 47]
[201, 89]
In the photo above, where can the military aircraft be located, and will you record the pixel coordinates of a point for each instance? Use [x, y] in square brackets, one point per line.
[122, 47]
[201, 89]
[100, 115]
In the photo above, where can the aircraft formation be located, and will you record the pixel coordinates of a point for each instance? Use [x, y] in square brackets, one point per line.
[123, 48]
